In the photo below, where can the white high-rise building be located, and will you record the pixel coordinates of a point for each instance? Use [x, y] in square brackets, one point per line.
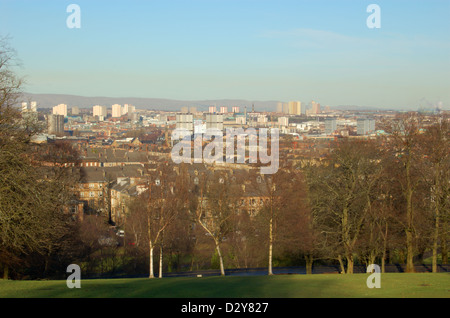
[33, 107]
[330, 126]
[60, 109]
[223, 109]
[365, 126]
[214, 121]
[185, 121]
[125, 109]
[99, 111]
[116, 110]
[128, 109]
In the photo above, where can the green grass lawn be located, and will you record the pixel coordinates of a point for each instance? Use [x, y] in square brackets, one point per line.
[393, 285]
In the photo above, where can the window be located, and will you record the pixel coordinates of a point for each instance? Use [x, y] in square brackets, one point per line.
[91, 194]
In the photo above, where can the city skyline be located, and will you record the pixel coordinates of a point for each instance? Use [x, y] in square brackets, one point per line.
[264, 50]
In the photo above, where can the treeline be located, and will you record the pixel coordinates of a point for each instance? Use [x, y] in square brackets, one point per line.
[386, 198]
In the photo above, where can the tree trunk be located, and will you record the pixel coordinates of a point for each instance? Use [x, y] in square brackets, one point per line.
[309, 262]
[151, 275]
[160, 261]
[383, 258]
[270, 272]
[5, 272]
[341, 263]
[222, 269]
[435, 243]
[409, 223]
[409, 252]
[444, 250]
[436, 223]
[349, 264]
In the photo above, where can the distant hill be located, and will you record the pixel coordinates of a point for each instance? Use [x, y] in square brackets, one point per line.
[50, 100]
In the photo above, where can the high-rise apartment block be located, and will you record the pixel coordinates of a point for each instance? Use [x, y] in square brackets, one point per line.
[365, 126]
[32, 108]
[315, 107]
[99, 111]
[214, 121]
[55, 124]
[116, 110]
[185, 121]
[60, 109]
[330, 126]
[295, 108]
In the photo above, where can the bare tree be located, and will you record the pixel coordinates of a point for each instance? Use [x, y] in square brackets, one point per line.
[405, 154]
[436, 144]
[342, 195]
[33, 193]
[213, 208]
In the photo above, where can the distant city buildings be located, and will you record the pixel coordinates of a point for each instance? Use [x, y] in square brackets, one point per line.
[116, 111]
[214, 121]
[315, 107]
[75, 110]
[185, 121]
[295, 108]
[365, 126]
[283, 121]
[60, 109]
[55, 124]
[330, 126]
[31, 108]
[99, 111]
[290, 108]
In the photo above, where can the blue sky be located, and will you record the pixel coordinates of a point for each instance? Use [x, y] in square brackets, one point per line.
[236, 49]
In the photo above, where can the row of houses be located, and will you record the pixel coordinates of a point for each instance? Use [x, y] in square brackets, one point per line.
[109, 190]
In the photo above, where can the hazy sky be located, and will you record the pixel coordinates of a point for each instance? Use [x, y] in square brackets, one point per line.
[236, 49]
